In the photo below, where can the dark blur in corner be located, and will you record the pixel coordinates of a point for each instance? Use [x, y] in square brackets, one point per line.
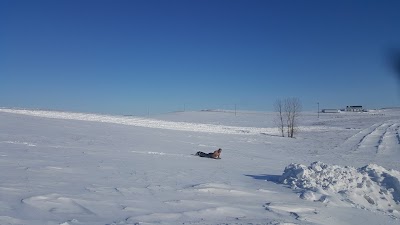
[394, 60]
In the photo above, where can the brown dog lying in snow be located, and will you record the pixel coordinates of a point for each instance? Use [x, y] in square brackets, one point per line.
[215, 155]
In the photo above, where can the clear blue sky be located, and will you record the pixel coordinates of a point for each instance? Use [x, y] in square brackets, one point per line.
[126, 57]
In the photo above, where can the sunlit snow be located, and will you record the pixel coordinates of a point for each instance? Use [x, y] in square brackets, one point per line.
[75, 168]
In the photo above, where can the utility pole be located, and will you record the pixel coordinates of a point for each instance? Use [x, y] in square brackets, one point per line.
[235, 109]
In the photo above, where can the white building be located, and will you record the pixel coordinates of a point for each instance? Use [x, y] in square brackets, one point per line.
[354, 108]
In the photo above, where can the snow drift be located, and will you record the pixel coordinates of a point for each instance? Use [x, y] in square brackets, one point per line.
[370, 187]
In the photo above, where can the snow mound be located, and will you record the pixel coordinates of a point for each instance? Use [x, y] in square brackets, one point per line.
[370, 187]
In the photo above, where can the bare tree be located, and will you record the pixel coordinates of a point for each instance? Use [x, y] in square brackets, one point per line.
[278, 105]
[292, 109]
[288, 112]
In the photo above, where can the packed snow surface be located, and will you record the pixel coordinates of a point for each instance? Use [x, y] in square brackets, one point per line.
[64, 168]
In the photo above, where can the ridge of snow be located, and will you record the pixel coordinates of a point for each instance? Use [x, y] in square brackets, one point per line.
[152, 123]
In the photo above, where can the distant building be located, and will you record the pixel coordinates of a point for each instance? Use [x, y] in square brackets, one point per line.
[330, 110]
[354, 108]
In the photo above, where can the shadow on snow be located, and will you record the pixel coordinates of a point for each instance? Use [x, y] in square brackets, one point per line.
[266, 177]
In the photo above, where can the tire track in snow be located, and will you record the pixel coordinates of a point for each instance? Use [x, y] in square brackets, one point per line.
[381, 139]
[366, 136]
[376, 138]
[397, 134]
[373, 140]
[381, 142]
[352, 143]
[389, 140]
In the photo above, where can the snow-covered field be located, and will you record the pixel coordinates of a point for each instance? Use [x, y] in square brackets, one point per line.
[74, 168]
